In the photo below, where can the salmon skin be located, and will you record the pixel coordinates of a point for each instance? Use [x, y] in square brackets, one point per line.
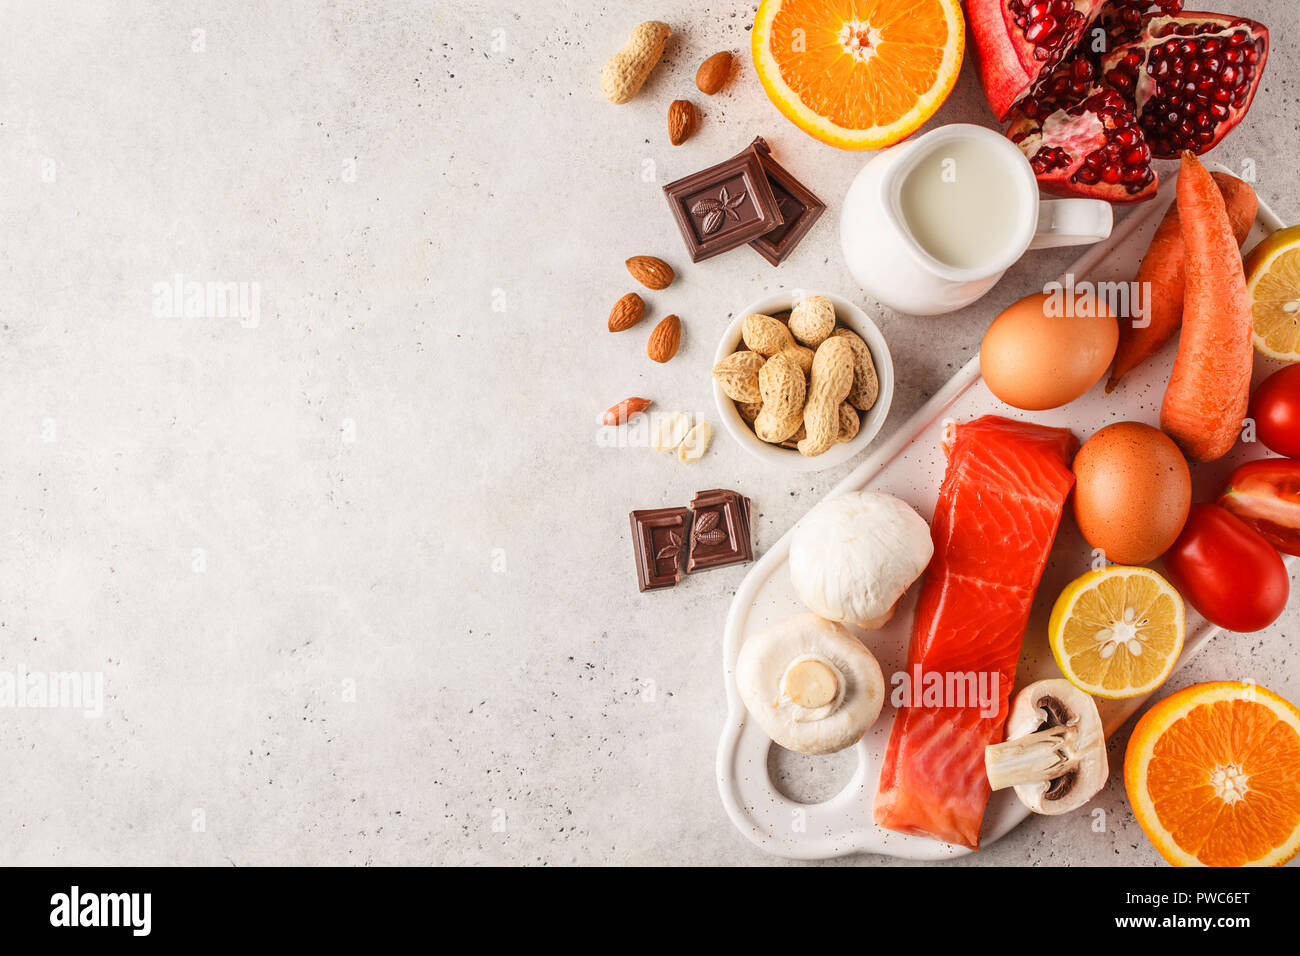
[999, 507]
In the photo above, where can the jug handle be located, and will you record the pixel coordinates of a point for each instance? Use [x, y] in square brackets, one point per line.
[1071, 222]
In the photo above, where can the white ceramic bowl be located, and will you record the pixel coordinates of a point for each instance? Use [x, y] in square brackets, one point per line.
[851, 317]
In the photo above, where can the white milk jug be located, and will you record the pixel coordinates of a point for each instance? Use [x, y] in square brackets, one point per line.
[930, 225]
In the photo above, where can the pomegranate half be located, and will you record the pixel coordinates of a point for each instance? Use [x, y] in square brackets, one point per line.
[1192, 77]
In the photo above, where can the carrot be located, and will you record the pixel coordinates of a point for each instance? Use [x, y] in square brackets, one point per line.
[1209, 390]
[1161, 273]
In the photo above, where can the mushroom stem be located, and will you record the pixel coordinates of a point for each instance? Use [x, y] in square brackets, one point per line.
[1034, 758]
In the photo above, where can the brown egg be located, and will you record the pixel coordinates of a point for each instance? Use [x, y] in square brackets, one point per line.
[1034, 358]
[1133, 492]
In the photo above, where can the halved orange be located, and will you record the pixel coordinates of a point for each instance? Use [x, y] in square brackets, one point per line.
[858, 74]
[1213, 774]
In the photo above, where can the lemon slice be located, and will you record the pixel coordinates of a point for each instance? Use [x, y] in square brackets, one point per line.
[1117, 632]
[1273, 280]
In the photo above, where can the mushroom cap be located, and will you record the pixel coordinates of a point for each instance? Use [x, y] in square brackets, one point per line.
[853, 556]
[766, 658]
[1093, 768]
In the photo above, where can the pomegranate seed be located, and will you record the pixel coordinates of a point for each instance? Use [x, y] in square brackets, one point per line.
[1138, 176]
[1040, 30]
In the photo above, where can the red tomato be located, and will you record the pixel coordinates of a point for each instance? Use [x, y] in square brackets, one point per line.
[1276, 410]
[1266, 495]
[1227, 571]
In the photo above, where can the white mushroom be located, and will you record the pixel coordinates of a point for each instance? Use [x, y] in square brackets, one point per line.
[811, 685]
[853, 557]
[1055, 752]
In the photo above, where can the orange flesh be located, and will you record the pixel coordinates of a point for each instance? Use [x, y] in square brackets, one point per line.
[1220, 750]
[858, 93]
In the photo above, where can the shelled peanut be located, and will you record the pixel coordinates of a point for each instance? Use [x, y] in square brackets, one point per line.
[800, 380]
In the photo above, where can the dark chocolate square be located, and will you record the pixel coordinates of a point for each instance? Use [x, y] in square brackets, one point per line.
[799, 209]
[724, 206]
[657, 538]
[720, 534]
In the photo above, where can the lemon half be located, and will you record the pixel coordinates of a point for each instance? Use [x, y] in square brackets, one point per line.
[1273, 281]
[1117, 632]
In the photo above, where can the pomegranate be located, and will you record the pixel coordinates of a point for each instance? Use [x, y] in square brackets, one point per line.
[1122, 19]
[1093, 91]
[1020, 41]
[1087, 145]
[1192, 77]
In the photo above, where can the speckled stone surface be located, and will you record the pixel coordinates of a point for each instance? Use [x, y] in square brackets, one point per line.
[355, 568]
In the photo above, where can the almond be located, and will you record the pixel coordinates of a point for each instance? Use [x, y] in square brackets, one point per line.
[626, 313]
[682, 121]
[620, 412]
[651, 272]
[713, 73]
[665, 338]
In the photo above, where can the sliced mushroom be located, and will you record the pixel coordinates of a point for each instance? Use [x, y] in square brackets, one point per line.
[810, 684]
[1055, 752]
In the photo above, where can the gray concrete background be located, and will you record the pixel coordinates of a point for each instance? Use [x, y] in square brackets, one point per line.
[357, 575]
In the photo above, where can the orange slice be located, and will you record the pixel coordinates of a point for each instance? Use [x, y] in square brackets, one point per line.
[1213, 774]
[858, 74]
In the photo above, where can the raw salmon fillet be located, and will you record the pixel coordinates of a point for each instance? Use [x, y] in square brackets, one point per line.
[998, 511]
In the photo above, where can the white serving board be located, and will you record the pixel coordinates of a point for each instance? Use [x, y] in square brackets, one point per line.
[911, 465]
